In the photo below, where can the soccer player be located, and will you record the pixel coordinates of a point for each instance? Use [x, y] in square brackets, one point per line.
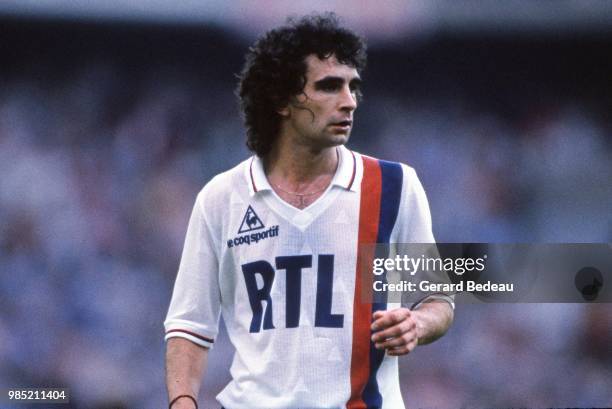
[272, 243]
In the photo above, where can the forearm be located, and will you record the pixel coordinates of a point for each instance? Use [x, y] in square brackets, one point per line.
[185, 365]
[432, 320]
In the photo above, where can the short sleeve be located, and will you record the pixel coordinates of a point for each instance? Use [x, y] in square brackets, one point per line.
[415, 217]
[196, 301]
[416, 227]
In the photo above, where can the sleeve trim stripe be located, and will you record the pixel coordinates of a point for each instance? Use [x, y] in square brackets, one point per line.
[193, 334]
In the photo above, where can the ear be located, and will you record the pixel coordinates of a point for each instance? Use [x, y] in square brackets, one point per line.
[284, 112]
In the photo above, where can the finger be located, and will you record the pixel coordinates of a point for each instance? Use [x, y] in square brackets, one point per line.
[403, 350]
[395, 331]
[391, 343]
[378, 319]
[389, 318]
[398, 351]
[392, 332]
[378, 314]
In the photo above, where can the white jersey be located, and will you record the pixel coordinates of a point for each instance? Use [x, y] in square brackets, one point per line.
[285, 281]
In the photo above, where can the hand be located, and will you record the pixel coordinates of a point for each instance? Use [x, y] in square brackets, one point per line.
[396, 331]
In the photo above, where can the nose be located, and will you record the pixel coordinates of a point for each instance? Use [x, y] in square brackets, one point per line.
[348, 99]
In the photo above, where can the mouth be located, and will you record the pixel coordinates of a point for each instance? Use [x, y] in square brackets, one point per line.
[346, 124]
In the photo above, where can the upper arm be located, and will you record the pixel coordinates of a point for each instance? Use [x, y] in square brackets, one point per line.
[414, 219]
[196, 300]
[414, 238]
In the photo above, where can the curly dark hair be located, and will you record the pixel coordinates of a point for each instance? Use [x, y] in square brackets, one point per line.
[275, 70]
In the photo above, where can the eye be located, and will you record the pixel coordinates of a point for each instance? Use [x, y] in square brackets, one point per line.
[329, 85]
[355, 87]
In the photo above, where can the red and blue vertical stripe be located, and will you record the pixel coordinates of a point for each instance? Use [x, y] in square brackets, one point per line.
[381, 189]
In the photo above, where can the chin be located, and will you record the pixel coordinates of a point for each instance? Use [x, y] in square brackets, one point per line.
[330, 140]
[338, 139]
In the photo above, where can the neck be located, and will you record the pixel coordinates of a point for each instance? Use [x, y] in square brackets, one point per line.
[298, 168]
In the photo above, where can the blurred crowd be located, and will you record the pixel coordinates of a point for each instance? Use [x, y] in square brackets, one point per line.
[99, 171]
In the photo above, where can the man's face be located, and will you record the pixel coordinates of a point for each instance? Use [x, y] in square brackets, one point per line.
[322, 115]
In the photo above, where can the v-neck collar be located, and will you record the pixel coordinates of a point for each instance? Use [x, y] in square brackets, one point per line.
[347, 178]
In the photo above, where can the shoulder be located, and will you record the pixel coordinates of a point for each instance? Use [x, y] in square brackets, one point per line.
[394, 172]
[403, 191]
[217, 192]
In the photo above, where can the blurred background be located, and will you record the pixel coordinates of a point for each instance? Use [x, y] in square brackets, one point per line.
[114, 114]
